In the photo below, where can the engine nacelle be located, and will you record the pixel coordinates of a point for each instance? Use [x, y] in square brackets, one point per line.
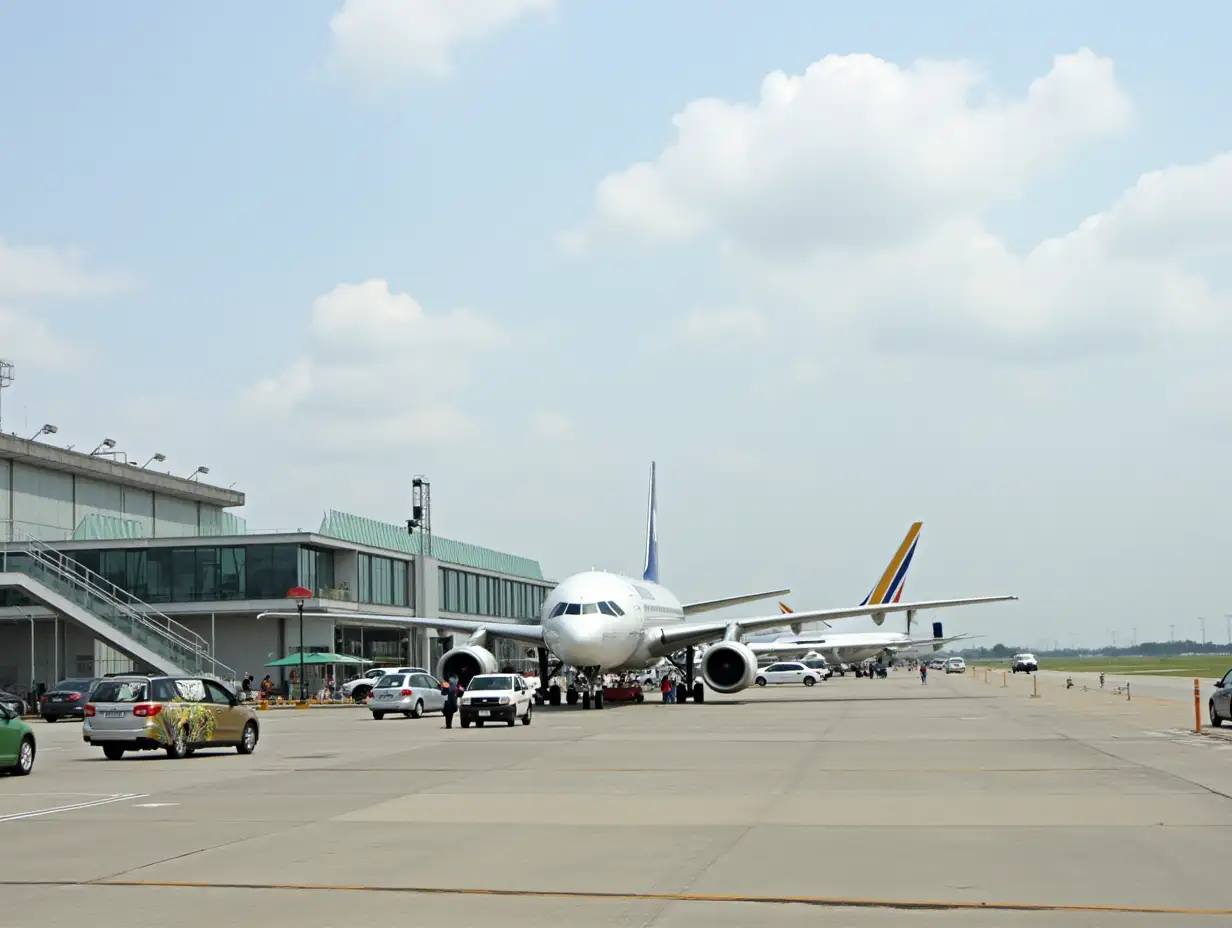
[464, 663]
[729, 667]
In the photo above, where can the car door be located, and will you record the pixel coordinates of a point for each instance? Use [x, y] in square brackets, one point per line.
[10, 737]
[798, 673]
[229, 718]
[771, 673]
[1223, 696]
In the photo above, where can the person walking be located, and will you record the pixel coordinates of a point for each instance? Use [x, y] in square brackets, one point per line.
[452, 692]
[923, 674]
[668, 688]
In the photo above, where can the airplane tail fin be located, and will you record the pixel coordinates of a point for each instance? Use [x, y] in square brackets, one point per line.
[889, 588]
[651, 571]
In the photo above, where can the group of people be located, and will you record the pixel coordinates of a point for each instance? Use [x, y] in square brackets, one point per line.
[266, 689]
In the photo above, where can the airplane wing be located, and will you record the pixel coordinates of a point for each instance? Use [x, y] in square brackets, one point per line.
[695, 633]
[527, 634]
[709, 605]
[820, 644]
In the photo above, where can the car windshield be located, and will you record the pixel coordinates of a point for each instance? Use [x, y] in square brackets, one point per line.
[122, 691]
[388, 681]
[491, 683]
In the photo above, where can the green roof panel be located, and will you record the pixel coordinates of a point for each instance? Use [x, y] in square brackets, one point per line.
[362, 531]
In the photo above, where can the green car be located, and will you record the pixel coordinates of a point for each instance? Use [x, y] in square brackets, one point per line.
[16, 743]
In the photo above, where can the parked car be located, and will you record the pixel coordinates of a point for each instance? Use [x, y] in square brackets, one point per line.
[67, 700]
[955, 665]
[788, 672]
[13, 701]
[819, 664]
[1025, 663]
[1220, 705]
[176, 714]
[496, 697]
[17, 744]
[412, 694]
[360, 688]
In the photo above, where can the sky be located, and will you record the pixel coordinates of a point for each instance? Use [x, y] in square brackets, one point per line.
[835, 267]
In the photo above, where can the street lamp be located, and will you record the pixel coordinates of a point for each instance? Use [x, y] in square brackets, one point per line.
[47, 429]
[107, 443]
[299, 594]
[200, 470]
[156, 456]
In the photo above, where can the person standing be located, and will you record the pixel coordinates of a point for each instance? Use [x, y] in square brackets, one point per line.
[923, 674]
[452, 692]
[668, 689]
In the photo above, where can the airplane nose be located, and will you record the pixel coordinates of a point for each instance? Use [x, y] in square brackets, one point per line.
[578, 639]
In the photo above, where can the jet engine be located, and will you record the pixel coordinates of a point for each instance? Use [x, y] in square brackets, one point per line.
[465, 662]
[729, 667]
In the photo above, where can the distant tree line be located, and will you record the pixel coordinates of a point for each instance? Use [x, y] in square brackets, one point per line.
[1145, 649]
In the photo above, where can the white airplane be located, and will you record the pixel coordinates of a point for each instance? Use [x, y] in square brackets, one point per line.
[853, 647]
[598, 622]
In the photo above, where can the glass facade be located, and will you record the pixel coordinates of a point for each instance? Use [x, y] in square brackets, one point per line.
[211, 573]
[385, 581]
[476, 594]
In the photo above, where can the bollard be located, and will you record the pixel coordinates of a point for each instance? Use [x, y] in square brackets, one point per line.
[1035, 692]
[1127, 691]
[1197, 706]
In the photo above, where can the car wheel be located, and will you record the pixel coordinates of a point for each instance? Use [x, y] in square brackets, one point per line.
[761, 681]
[479, 723]
[526, 717]
[248, 740]
[112, 752]
[49, 719]
[466, 723]
[809, 681]
[25, 757]
[417, 712]
[178, 748]
[512, 721]
[1216, 721]
[377, 716]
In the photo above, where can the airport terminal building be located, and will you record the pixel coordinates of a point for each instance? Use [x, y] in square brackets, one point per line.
[109, 567]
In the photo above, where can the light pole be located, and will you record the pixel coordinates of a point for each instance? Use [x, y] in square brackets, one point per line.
[1202, 622]
[299, 594]
[1227, 617]
[1171, 632]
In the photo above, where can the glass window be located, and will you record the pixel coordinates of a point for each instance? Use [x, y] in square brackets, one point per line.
[472, 593]
[259, 574]
[111, 566]
[616, 608]
[559, 609]
[573, 609]
[440, 588]
[451, 591]
[365, 578]
[400, 590]
[507, 598]
[285, 569]
[606, 608]
[158, 575]
[308, 569]
[217, 693]
[207, 574]
[389, 681]
[382, 580]
[190, 690]
[589, 609]
[231, 576]
[485, 597]
[121, 691]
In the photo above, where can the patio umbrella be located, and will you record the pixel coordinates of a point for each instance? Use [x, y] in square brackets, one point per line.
[317, 657]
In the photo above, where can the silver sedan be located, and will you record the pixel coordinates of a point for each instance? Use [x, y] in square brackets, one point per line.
[412, 694]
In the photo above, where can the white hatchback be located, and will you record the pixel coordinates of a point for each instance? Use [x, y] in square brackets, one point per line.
[788, 672]
[955, 665]
[412, 694]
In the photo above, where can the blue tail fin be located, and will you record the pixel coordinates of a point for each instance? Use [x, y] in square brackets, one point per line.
[651, 572]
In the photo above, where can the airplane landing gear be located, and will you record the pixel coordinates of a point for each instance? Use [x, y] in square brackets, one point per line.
[592, 694]
[546, 673]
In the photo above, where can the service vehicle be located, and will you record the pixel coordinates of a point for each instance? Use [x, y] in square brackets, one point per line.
[1026, 663]
[955, 665]
[788, 672]
[360, 688]
[178, 715]
[17, 744]
[412, 694]
[820, 665]
[496, 697]
[1220, 704]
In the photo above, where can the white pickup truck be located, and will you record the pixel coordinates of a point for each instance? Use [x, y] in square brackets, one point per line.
[496, 697]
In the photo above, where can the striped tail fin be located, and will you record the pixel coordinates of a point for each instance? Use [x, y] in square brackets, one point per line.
[889, 588]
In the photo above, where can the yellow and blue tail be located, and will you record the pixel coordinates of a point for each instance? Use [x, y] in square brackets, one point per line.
[650, 571]
[889, 588]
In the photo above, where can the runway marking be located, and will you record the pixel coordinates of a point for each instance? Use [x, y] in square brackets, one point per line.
[18, 816]
[835, 902]
[154, 805]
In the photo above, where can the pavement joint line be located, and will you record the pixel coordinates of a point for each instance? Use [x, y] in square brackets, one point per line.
[831, 902]
[36, 813]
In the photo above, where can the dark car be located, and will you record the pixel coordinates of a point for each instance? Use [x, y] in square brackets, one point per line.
[16, 703]
[67, 700]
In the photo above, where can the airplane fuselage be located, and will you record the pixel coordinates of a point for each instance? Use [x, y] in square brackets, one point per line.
[600, 619]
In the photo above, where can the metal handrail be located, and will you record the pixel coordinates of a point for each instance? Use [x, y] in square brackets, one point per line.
[81, 577]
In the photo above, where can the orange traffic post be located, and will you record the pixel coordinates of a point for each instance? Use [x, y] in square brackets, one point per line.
[1035, 693]
[1003, 683]
[1197, 706]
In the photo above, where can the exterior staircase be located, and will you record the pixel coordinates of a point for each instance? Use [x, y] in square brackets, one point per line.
[112, 614]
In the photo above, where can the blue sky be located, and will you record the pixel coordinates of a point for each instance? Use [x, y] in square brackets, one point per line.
[1058, 416]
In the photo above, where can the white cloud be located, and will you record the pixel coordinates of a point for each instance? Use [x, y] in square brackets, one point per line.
[549, 424]
[380, 367]
[858, 192]
[733, 326]
[28, 271]
[27, 340]
[383, 41]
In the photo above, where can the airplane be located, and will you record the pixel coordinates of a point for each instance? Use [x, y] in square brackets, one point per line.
[599, 622]
[853, 647]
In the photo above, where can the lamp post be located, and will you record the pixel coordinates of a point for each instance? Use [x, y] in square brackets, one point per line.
[299, 594]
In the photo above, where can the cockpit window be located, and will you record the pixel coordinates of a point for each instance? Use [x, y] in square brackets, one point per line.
[606, 609]
[590, 608]
[559, 609]
[616, 608]
[573, 609]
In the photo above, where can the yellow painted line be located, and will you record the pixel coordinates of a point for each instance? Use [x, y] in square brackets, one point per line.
[818, 901]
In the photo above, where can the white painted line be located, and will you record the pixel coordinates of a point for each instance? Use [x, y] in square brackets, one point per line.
[154, 805]
[18, 816]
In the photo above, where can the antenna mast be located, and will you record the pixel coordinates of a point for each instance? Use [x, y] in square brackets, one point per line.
[6, 378]
[421, 514]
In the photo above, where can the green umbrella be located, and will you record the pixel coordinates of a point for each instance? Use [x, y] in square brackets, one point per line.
[317, 657]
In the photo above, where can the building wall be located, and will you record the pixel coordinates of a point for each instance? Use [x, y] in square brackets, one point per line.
[174, 517]
[42, 502]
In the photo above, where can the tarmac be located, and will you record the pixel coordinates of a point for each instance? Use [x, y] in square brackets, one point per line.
[856, 802]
